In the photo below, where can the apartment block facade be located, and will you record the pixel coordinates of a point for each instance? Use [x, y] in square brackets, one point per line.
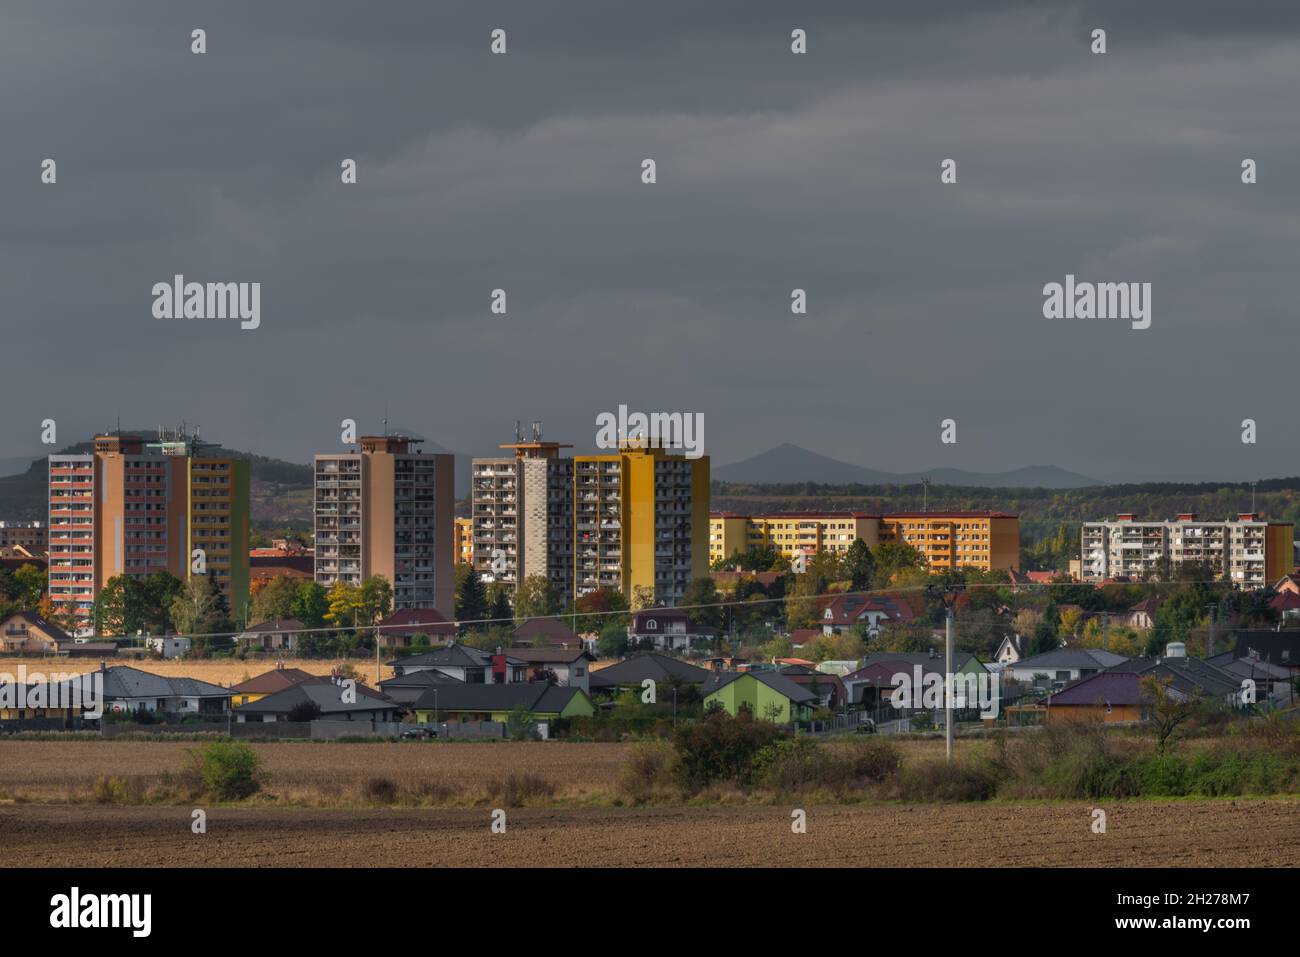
[790, 533]
[949, 540]
[522, 515]
[388, 509]
[132, 507]
[1248, 551]
[32, 537]
[464, 551]
[641, 522]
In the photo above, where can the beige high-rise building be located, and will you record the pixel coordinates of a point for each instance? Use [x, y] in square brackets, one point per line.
[133, 508]
[522, 514]
[388, 510]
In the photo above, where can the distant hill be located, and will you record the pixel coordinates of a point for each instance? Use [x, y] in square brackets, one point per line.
[789, 463]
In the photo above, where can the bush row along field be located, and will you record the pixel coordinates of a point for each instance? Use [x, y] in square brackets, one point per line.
[717, 760]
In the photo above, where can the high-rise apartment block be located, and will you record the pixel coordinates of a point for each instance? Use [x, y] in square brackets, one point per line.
[388, 509]
[635, 520]
[1247, 551]
[640, 522]
[132, 507]
[522, 515]
[948, 540]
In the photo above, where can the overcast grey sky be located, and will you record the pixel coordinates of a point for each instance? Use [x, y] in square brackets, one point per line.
[775, 171]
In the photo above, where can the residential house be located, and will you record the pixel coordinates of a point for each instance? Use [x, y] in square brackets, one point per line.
[1011, 649]
[268, 683]
[329, 700]
[406, 689]
[1188, 676]
[1061, 666]
[130, 689]
[660, 669]
[1142, 616]
[1111, 697]
[871, 613]
[1276, 647]
[666, 629]
[571, 667]
[767, 695]
[829, 688]
[470, 665]
[27, 633]
[277, 634]
[544, 702]
[872, 684]
[549, 632]
[399, 629]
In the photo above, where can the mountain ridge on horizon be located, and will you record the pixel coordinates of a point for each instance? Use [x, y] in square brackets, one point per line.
[789, 463]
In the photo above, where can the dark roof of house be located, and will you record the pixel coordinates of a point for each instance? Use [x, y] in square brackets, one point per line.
[549, 628]
[276, 626]
[454, 655]
[1277, 647]
[1188, 674]
[850, 609]
[34, 619]
[559, 656]
[277, 679]
[928, 662]
[326, 695]
[1070, 658]
[1253, 668]
[636, 669]
[538, 697]
[1105, 687]
[122, 681]
[413, 621]
[773, 679]
[420, 679]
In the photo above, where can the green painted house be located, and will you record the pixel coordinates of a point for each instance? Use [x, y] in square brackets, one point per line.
[767, 694]
[495, 702]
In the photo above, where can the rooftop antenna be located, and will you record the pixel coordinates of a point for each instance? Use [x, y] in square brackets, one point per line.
[519, 435]
[537, 431]
[925, 494]
[1252, 497]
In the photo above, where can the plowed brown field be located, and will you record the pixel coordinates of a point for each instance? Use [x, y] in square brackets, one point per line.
[1183, 833]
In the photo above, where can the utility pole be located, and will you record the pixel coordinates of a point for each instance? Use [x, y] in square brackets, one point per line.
[947, 680]
[949, 595]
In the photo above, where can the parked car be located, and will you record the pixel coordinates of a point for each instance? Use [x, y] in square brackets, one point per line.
[866, 726]
[414, 733]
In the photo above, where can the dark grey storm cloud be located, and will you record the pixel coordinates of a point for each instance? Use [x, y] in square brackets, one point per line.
[775, 171]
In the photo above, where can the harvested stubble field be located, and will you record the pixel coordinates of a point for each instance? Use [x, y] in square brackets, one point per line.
[1243, 832]
[311, 773]
[218, 671]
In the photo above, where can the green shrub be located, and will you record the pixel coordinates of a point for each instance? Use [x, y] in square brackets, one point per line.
[720, 748]
[227, 769]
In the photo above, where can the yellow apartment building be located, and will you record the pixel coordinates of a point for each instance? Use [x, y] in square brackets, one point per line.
[955, 540]
[948, 540]
[640, 521]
